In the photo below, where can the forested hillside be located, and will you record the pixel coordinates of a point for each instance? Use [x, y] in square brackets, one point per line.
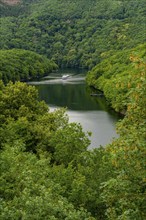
[21, 65]
[114, 76]
[47, 171]
[74, 33]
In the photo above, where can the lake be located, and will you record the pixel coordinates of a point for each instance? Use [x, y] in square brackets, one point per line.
[92, 112]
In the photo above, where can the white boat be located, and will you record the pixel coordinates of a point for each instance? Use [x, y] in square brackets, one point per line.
[65, 76]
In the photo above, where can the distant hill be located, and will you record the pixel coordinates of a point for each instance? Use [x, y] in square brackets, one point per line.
[15, 2]
[10, 2]
[46, 170]
[73, 33]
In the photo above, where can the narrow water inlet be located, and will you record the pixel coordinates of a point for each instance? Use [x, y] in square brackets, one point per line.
[92, 112]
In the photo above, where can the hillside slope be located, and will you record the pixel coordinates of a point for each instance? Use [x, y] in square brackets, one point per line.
[74, 33]
[10, 2]
[116, 74]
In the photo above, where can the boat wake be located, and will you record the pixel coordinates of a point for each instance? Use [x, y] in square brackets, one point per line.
[65, 79]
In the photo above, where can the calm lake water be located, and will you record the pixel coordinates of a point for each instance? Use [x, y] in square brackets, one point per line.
[91, 112]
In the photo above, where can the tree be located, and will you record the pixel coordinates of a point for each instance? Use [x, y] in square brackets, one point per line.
[27, 190]
[23, 65]
[125, 193]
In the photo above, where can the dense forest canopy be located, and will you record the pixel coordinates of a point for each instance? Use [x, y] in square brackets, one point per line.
[47, 171]
[114, 76]
[74, 33]
[17, 64]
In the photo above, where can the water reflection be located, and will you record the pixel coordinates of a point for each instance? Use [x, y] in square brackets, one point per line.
[92, 113]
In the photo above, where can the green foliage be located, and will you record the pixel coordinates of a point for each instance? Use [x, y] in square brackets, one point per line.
[46, 171]
[27, 190]
[124, 86]
[114, 76]
[23, 117]
[23, 65]
[69, 142]
[27, 126]
[75, 33]
[20, 100]
[125, 193]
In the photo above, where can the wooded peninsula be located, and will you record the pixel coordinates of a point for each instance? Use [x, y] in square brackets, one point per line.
[47, 171]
